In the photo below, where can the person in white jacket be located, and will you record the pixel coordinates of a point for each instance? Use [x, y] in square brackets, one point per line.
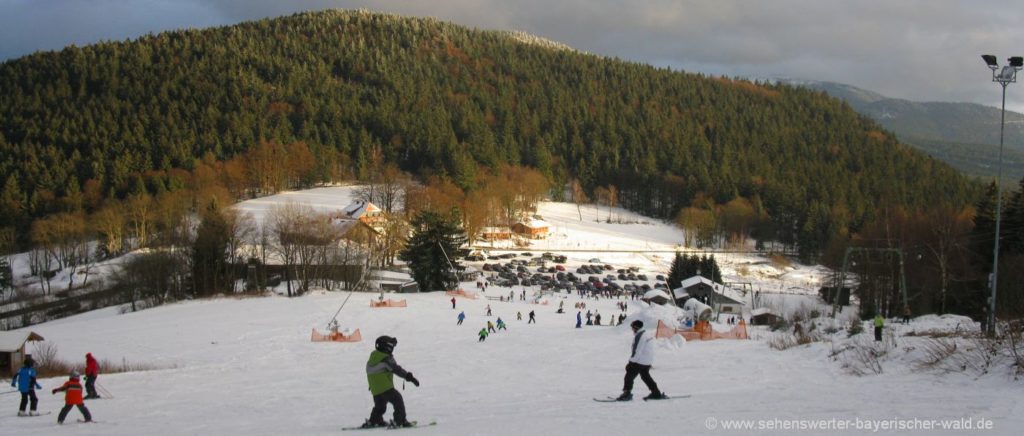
[640, 364]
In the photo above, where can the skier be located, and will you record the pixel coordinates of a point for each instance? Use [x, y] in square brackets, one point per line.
[579, 319]
[72, 397]
[488, 310]
[519, 316]
[380, 371]
[879, 324]
[501, 324]
[490, 327]
[453, 303]
[640, 364]
[92, 370]
[597, 318]
[462, 317]
[483, 335]
[27, 385]
[533, 318]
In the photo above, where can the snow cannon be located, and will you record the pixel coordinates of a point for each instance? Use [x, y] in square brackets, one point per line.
[699, 311]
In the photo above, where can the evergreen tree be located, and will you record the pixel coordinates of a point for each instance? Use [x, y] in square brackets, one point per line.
[210, 269]
[677, 272]
[431, 250]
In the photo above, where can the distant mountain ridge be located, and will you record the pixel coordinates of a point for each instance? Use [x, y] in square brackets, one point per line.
[965, 135]
[942, 121]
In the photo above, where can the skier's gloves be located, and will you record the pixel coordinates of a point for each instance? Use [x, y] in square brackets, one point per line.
[413, 380]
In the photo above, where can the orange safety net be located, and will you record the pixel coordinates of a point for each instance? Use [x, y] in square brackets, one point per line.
[702, 331]
[461, 293]
[336, 337]
[388, 303]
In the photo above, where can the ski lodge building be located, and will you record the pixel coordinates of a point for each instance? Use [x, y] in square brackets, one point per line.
[721, 298]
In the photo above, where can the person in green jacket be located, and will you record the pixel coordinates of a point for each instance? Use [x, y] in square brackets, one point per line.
[380, 372]
[879, 323]
[483, 334]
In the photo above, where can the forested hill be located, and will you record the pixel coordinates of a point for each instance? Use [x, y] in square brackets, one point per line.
[438, 98]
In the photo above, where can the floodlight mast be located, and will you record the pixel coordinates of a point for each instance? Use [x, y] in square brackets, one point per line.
[1005, 77]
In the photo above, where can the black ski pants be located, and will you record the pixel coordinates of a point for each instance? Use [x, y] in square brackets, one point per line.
[380, 405]
[644, 371]
[67, 408]
[26, 397]
[90, 386]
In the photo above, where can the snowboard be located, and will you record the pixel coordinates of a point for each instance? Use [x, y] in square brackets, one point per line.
[415, 424]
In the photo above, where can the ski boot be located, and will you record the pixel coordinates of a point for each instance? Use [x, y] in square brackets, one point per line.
[22, 413]
[33, 413]
[373, 424]
[626, 396]
[402, 424]
[656, 396]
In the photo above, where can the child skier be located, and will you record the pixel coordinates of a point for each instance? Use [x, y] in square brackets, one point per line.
[490, 327]
[27, 385]
[462, 317]
[640, 364]
[501, 324]
[380, 371]
[483, 334]
[72, 397]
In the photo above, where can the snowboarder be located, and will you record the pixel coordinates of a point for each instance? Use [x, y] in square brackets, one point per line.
[92, 370]
[453, 303]
[501, 324]
[27, 385]
[462, 317]
[483, 335]
[879, 324]
[640, 364]
[579, 319]
[380, 372]
[533, 318]
[72, 397]
[490, 327]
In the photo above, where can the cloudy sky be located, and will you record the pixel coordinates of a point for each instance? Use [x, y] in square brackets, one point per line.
[925, 50]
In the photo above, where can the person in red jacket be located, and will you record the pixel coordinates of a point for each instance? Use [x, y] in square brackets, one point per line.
[92, 369]
[72, 397]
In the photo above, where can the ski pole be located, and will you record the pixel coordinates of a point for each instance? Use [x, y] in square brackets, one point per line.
[104, 391]
[8, 392]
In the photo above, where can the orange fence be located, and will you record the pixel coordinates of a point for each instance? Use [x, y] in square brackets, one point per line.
[461, 293]
[388, 303]
[702, 331]
[336, 337]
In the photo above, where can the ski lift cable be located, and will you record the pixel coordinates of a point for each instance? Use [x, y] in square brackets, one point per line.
[358, 285]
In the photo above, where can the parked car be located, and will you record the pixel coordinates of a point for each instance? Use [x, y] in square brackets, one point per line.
[660, 277]
[547, 256]
[608, 267]
[594, 260]
[560, 259]
[642, 277]
[526, 254]
[560, 267]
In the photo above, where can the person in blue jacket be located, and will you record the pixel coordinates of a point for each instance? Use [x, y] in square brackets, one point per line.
[27, 385]
[579, 320]
[462, 317]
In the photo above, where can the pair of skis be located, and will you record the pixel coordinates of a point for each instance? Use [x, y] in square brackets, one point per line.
[616, 400]
[415, 424]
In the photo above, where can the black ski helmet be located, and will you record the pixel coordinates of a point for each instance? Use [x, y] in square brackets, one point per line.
[637, 324]
[386, 344]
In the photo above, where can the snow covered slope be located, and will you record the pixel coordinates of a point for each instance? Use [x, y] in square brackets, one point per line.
[247, 367]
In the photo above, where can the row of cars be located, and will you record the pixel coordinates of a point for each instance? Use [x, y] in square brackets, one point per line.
[517, 272]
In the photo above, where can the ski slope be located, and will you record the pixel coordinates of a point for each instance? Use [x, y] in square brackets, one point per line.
[246, 366]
